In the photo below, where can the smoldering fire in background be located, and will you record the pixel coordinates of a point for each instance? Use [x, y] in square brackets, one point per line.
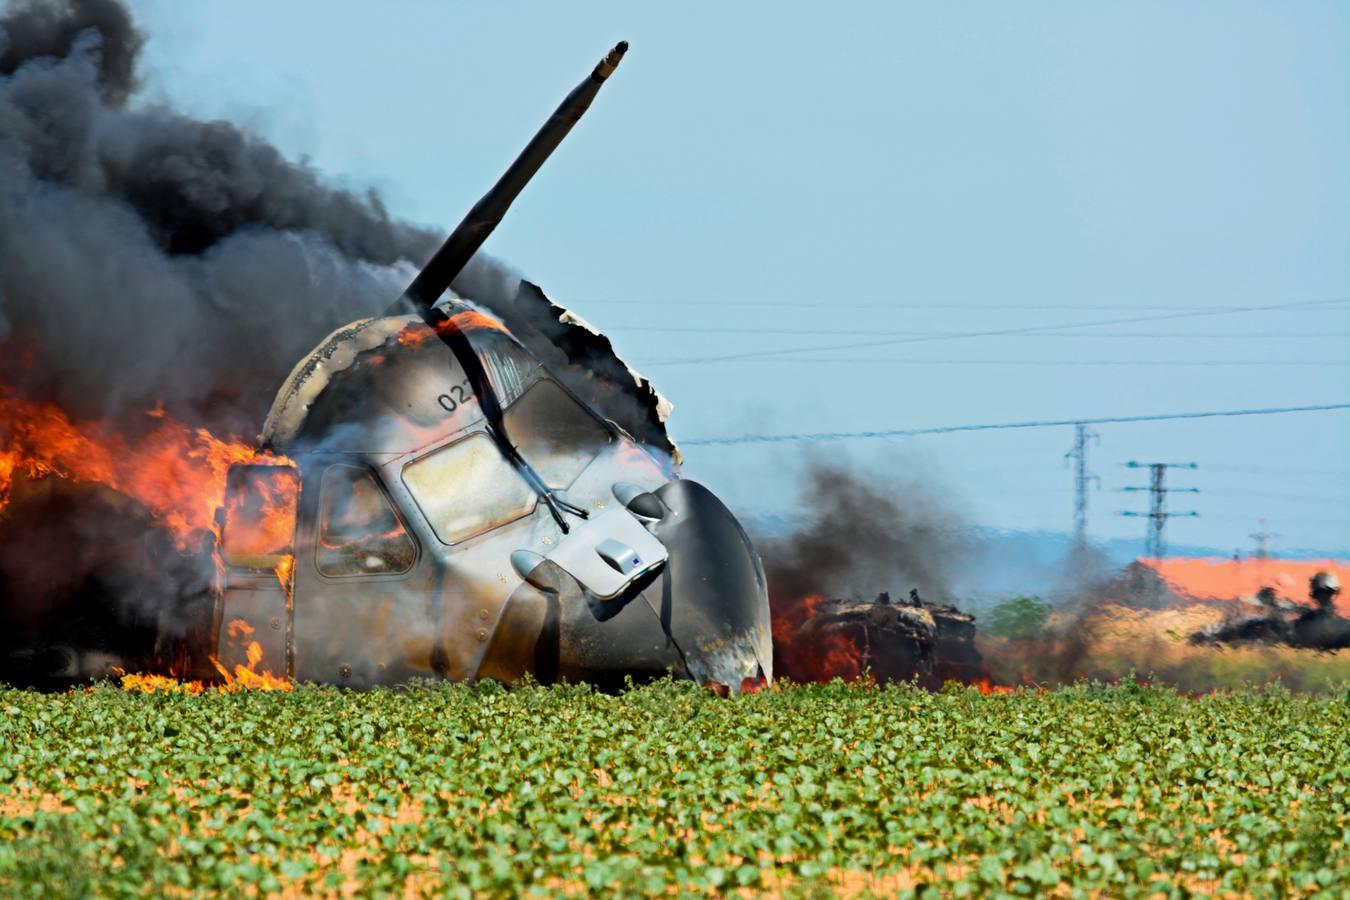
[859, 533]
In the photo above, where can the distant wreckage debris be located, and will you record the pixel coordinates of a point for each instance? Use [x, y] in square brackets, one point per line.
[897, 640]
[1315, 627]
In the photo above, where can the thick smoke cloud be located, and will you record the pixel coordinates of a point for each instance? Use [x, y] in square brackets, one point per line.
[35, 30]
[860, 533]
[146, 256]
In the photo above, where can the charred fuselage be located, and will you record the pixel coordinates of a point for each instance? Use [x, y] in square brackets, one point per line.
[908, 640]
[458, 510]
[438, 494]
[1316, 628]
[419, 549]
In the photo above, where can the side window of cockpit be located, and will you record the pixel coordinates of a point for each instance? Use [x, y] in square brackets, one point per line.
[359, 532]
[258, 530]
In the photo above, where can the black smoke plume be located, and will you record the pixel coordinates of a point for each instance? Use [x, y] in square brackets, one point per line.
[859, 533]
[146, 256]
[149, 257]
[35, 30]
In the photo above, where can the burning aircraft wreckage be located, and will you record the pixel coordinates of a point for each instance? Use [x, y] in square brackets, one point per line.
[446, 490]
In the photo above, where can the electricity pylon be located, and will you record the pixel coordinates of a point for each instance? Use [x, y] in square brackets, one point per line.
[1081, 477]
[1156, 544]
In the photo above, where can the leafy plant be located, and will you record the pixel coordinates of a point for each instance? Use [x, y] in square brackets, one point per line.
[445, 789]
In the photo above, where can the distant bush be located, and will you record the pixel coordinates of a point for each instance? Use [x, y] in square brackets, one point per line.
[1018, 617]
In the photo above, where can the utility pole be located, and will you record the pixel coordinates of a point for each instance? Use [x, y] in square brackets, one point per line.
[1157, 515]
[1262, 539]
[1081, 477]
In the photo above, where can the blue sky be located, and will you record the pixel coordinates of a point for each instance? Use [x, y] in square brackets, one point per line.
[761, 176]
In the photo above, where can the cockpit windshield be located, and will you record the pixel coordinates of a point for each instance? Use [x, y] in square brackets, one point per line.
[555, 434]
[466, 488]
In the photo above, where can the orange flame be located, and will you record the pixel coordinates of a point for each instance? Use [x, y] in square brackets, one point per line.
[415, 334]
[176, 472]
[153, 684]
[987, 687]
[828, 655]
[285, 572]
[245, 677]
[259, 522]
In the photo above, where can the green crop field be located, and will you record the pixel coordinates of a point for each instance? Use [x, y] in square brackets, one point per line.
[668, 789]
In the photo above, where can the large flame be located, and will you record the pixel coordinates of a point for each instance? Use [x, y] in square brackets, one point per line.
[176, 472]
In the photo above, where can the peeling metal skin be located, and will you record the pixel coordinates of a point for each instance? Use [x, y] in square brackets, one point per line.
[585, 360]
[429, 581]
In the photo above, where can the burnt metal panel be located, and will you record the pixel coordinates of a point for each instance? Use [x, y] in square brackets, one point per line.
[258, 601]
[358, 630]
[713, 598]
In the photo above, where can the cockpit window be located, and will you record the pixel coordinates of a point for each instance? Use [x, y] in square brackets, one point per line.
[466, 488]
[557, 437]
[259, 527]
[359, 532]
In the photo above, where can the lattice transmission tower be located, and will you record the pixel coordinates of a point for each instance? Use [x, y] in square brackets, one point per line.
[1155, 545]
[1082, 435]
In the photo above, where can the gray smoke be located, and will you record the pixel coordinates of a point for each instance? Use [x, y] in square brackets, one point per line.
[860, 533]
[146, 256]
[34, 30]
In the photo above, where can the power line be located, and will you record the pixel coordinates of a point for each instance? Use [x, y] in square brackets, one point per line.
[1232, 497]
[999, 332]
[1277, 495]
[1045, 469]
[1281, 470]
[1021, 491]
[1002, 426]
[832, 304]
[1032, 363]
[1040, 467]
[1321, 520]
[1152, 335]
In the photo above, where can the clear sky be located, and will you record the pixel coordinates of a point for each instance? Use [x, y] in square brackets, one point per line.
[775, 176]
